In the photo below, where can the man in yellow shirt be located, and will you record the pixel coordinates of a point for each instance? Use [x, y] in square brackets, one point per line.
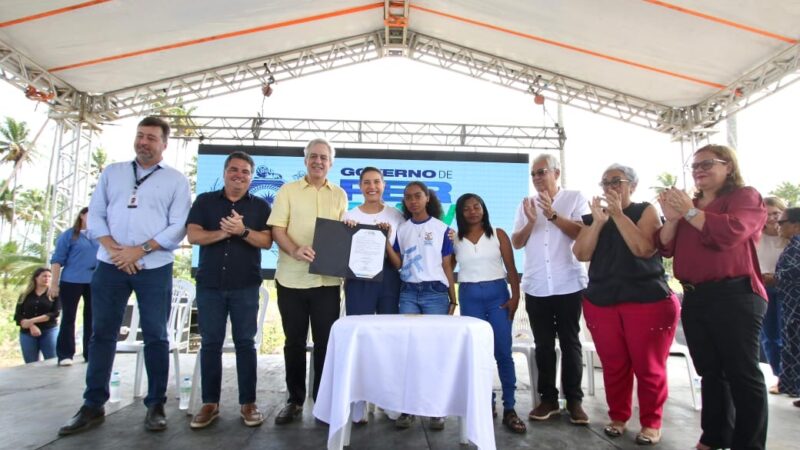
[303, 296]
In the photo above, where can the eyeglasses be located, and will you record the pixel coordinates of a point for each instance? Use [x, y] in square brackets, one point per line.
[784, 221]
[616, 182]
[539, 172]
[706, 164]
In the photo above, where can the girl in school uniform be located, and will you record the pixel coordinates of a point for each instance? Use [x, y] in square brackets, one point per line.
[426, 264]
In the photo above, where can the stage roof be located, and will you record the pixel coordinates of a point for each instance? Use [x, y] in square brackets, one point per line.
[673, 66]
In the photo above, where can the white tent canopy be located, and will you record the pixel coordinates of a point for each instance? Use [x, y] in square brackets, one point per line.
[674, 66]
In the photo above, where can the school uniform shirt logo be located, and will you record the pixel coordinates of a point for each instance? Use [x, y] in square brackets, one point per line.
[428, 237]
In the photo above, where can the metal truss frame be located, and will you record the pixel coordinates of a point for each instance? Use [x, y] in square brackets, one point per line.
[370, 133]
[765, 80]
[72, 152]
[761, 82]
[140, 100]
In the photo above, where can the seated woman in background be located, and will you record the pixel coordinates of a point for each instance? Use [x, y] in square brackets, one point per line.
[769, 248]
[37, 317]
[485, 260]
[629, 308]
[787, 274]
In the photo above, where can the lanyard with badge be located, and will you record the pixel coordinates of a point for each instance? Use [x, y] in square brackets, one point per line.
[133, 202]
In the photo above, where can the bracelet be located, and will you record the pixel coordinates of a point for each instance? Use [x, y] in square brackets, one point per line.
[454, 303]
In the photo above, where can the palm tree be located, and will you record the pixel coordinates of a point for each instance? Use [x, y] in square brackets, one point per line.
[181, 122]
[99, 162]
[14, 266]
[17, 149]
[32, 209]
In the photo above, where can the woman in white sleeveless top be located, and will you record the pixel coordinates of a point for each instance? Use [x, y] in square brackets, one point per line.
[485, 260]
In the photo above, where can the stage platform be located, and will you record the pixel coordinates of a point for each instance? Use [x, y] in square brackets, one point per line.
[37, 399]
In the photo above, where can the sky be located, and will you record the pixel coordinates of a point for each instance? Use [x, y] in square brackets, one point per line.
[403, 90]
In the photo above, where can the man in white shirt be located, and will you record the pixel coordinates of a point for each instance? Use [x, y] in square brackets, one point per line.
[546, 226]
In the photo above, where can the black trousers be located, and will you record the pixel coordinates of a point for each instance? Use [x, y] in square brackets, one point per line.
[722, 322]
[319, 306]
[557, 315]
[70, 294]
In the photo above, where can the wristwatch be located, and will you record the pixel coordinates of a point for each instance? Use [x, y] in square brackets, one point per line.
[147, 248]
[691, 214]
[245, 233]
[553, 217]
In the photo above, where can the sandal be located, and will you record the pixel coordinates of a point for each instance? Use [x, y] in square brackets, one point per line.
[614, 429]
[774, 390]
[648, 436]
[513, 422]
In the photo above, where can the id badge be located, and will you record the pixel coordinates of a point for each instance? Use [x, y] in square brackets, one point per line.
[133, 201]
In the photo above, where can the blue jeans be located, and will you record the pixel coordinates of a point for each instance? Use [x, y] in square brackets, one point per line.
[771, 341]
[111, 289]
[483, 300]
[31, 346]
[70, 296]
[213, 307]
[427, 297]
[371, 297]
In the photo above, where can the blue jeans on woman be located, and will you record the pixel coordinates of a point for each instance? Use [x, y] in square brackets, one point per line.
[427, 297]
[483, 300]
[31, 346]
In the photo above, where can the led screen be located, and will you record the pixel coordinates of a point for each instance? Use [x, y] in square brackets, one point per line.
[502, 179]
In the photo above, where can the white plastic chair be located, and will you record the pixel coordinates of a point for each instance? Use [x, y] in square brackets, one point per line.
[589, 351]
[522, 342]
[183, 293]
[228, 347]
[677, 349]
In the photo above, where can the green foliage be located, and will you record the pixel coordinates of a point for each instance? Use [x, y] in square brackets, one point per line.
[9, 331]
[788, 192]
[666, 180]
[16, 265]
[182, 268]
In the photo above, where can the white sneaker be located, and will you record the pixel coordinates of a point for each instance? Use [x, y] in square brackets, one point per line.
[65, 362]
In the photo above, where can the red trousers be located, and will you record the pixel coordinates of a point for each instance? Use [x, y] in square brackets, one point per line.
[634, 339]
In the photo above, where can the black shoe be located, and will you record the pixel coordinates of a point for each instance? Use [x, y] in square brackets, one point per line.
[87, 417]
[288, 414]
[155, 420]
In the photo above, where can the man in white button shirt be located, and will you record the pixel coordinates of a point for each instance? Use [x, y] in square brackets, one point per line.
[546, 226]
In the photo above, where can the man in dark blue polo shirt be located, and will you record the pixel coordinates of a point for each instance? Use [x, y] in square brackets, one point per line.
[230, 226]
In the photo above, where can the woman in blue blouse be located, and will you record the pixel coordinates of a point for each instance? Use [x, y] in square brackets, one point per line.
[787, 274]
[73, 263]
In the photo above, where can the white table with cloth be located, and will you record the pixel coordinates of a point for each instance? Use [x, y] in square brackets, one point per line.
[430, 366]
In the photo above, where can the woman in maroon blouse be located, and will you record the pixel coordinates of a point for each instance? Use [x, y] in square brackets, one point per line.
[712, 239]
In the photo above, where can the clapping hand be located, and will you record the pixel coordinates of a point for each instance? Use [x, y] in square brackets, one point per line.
[529, 208]
[599, 213]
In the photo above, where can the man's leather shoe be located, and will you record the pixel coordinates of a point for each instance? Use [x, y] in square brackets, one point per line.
[87, 417]
[207, 414]
[155, 420]
[251, 415]
[288, 413]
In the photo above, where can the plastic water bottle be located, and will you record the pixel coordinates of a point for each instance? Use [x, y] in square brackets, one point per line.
[186, 392]
[113, 387]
